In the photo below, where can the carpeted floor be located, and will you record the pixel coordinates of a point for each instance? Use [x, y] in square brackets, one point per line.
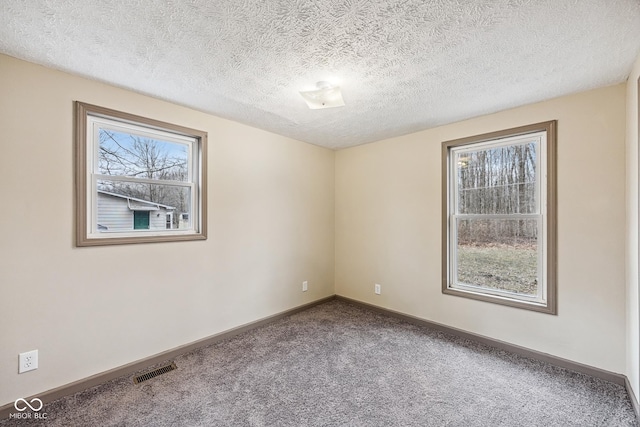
[341, 365]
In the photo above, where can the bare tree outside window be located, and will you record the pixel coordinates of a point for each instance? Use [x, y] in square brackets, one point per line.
[498, 253]
[126, 155]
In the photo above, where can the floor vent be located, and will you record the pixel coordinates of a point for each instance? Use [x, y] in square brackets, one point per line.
[154, 373]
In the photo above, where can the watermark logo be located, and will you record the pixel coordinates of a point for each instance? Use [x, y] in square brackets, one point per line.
[22, 405]
[19, 402]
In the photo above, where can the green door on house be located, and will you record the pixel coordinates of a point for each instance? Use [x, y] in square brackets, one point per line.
[140, 220]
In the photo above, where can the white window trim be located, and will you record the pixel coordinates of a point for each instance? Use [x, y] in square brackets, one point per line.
[545, 301]
[89, 119]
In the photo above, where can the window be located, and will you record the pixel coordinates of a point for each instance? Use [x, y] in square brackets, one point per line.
[140, 220]
[137, 178]
[499, 217]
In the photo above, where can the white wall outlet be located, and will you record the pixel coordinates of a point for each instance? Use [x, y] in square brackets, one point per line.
[28, 361]
[377, 289]
[305, 286]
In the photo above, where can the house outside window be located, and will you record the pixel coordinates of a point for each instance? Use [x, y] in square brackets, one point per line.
[499, 217]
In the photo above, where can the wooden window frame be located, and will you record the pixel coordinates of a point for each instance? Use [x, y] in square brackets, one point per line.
[86, 212]
[548, 210]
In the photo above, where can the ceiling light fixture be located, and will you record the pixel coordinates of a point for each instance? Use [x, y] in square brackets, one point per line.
[326, 96]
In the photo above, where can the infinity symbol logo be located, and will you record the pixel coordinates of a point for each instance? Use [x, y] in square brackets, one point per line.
[24, 408]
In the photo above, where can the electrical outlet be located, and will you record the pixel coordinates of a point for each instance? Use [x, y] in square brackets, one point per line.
[305, 286]
[377, 289]
[28, 361]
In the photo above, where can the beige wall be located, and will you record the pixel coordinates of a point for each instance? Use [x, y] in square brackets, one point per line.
[388, 222]
[87, 310]
[633, 315]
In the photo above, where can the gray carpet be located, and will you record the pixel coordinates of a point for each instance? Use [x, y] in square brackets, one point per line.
[342, 365]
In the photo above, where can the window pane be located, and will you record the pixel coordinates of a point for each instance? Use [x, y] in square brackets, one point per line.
[499, 254]
[132, 155]
[127, 206]
[499, 180]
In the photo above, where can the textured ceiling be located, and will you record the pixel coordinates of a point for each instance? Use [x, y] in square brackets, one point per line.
[403, 65]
